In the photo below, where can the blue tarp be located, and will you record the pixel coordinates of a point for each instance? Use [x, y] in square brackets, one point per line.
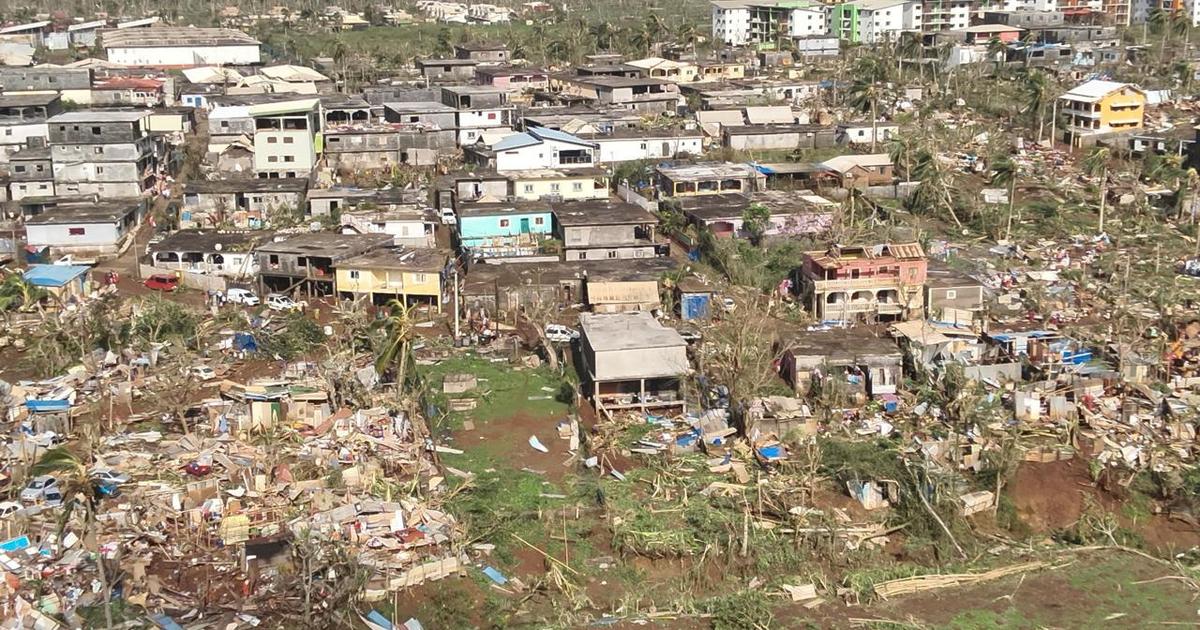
[47, 406]
[495, 576]
[15, 544]
[245, 342]
[378, 619]
[54, 275]
[165, 622]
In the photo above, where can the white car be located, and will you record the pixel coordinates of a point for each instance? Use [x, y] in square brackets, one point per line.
[689, 335]
[281, 302]
[560, 334]
[37, 488]
[729, 304]
[202, 372]
[109, 476]
[245, 297]
[447, 215]
[8, 508]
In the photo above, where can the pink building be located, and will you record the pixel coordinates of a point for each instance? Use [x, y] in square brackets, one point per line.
[515, 79]
[874, 282]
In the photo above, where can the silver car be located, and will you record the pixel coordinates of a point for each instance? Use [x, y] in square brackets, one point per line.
[37, 488]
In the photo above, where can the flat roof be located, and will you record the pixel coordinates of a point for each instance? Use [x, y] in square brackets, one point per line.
[27, 100]
[419, 107]
[424, 260]
[100, 115]
[489, 209]
[618, 82]
[175, 36]
[507, 71]
[212, 240]
[707, 170]
[234, 185]
[843, 345]
[54, 275]
[777, 202]
[450, 61]
[326, 244]
[614, 332]
[107, 211]
[601, 212]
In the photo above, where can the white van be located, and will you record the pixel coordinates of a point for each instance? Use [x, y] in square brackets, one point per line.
[241, 296]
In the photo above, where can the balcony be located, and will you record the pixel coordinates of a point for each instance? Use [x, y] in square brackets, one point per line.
[878, 282]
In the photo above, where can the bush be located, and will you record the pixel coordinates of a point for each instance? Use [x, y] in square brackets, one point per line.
[299, 335]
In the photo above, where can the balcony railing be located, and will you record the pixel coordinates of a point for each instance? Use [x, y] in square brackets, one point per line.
[878, 282]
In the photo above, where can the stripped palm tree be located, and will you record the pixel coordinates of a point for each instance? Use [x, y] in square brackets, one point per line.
[1037, 94]
[1096, 165]
[71, 472]
[1004, 173]
[398, 327]
[864, 96]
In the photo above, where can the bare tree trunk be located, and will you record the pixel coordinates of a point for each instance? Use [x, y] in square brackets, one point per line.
[1103, 196]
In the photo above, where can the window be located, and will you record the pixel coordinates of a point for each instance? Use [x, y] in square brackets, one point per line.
[612, 254]
[97, 150]
[18, 169]
[951, 294]
[273, 259]
[583, 255]
[492, 116]
[224, 124]
[503, 222]
[8, 131]
[272, 158]
[76, 231]
[289, 140]
[554, 187]
[353, 275]
[95, 131]
[289, 158]
[539, 220]
[577, 186]
[302, 261]
[272, 140]
[418, 278]
[529, 188]
[99, 170]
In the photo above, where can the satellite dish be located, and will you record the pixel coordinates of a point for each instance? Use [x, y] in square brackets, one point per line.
[217, 247]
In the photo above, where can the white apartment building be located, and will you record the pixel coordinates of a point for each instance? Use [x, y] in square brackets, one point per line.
[869, 21]
[750, 22]
[1029, 5]
[285, 138]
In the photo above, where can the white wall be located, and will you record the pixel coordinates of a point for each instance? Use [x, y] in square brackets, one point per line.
[731, 26]
[481, 118]
[15, 136]
[185, 55]
[20, 190]
[805, 22]
[96, 236]
[632, 149]
[273, 148]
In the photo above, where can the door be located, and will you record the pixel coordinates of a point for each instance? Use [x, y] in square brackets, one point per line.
[525, 226]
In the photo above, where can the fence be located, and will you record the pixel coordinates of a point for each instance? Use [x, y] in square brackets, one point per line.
[188, 279]
[630, 196]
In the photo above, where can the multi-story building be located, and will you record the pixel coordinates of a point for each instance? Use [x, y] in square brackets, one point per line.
[946, 15]
[869, 21]
[179, 47]
[764, 23]
[107, 152]
[24, 116]
[285, 138]
[878, 282]
[603, 229]
[1097, 108]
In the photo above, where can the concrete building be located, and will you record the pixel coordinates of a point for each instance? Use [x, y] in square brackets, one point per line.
[1097, 108]
[225, 253]
[179, 47]
[497, 231]
[638, 94]
[84, 229]
[633, 145]
[854, 361]
[107, 152]
[789, 213]
[22, 118]
[490, 52]
[708, 178]
[447, 69]
[604, 229]
[762, 23]
[285, 138]
[71, 84]
[777, 137]
[381, 146]
[631, 361]
[876, 282]
[869, 21]
[31, 173]
[308, 261]
[542, 148]
[244, 203]
[410, 275]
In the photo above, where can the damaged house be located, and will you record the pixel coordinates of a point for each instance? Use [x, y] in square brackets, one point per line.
[631, 361]
[854, 283]
[850, 361]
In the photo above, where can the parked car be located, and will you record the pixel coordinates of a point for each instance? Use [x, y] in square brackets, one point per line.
[8, 508]
[729, 304]
[162, 282]
[447, 215]
[245, 297]
[560, 334]
[110, 476]
[281, 302]
[52, 497]
[37, 487]
[202, 372]
[197, 469]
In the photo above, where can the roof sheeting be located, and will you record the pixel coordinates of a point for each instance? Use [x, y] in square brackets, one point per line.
[772, 115]
[54, 275]
[1096, 89]
[843, 163]
[515, 141]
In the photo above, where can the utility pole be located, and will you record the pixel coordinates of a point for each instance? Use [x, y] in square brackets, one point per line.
[455, 280]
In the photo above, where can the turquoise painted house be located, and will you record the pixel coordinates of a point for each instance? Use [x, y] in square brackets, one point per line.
[503, 230]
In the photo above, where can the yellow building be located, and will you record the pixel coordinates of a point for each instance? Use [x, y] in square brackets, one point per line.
[584, 183]
[1096, 108]
[412, 275]
[666, 69]
[721, 71]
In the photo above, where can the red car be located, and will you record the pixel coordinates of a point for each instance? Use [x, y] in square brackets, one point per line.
[161, 282]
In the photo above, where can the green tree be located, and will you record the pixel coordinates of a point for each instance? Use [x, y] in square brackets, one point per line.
[756, 218]
[398, 331]
[17, 294]
[1037, 95]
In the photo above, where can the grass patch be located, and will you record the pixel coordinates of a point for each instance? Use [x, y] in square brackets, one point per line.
[503, 389]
